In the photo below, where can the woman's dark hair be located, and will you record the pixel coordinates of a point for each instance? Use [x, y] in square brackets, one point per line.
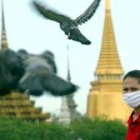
[134, 74]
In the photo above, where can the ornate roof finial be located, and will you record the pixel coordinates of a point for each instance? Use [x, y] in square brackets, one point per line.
[4, 44]
[107, 4]
[68, 65]
[109, 65]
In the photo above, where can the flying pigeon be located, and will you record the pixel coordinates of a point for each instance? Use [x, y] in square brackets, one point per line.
[68, 25]
[32, 74]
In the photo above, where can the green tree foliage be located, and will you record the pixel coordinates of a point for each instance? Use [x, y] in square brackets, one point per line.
[99, 129]
[85, 128]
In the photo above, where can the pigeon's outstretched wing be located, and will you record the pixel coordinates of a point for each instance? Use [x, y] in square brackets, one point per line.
[37, 82]
[88, 13]
[49, 13]
[15, 63]
[6, 78]
[11, 70]
[58, 86]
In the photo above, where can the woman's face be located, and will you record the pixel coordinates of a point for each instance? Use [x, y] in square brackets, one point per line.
[130, 84]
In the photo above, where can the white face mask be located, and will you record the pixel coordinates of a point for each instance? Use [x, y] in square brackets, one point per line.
[132, 99]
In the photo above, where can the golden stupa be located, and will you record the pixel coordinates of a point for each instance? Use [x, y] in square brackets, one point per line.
[105, 97]
[17, 104]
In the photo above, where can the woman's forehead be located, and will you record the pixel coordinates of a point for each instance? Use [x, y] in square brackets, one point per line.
[131, 80]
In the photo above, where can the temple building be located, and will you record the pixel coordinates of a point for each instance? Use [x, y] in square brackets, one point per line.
[18, 105]
[68, 107]
[105, 96]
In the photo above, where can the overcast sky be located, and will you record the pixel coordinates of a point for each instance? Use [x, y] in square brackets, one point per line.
[27, 29]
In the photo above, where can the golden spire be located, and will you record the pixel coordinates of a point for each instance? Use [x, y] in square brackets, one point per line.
[108, 63]
[4, 44]
[68, 74]
[106, 90]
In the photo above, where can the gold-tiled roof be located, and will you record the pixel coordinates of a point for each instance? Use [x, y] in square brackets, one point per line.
[19, 105]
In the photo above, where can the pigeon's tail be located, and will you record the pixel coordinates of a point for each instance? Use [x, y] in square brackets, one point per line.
[76, 35]
[58, 86]
[36, 84]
